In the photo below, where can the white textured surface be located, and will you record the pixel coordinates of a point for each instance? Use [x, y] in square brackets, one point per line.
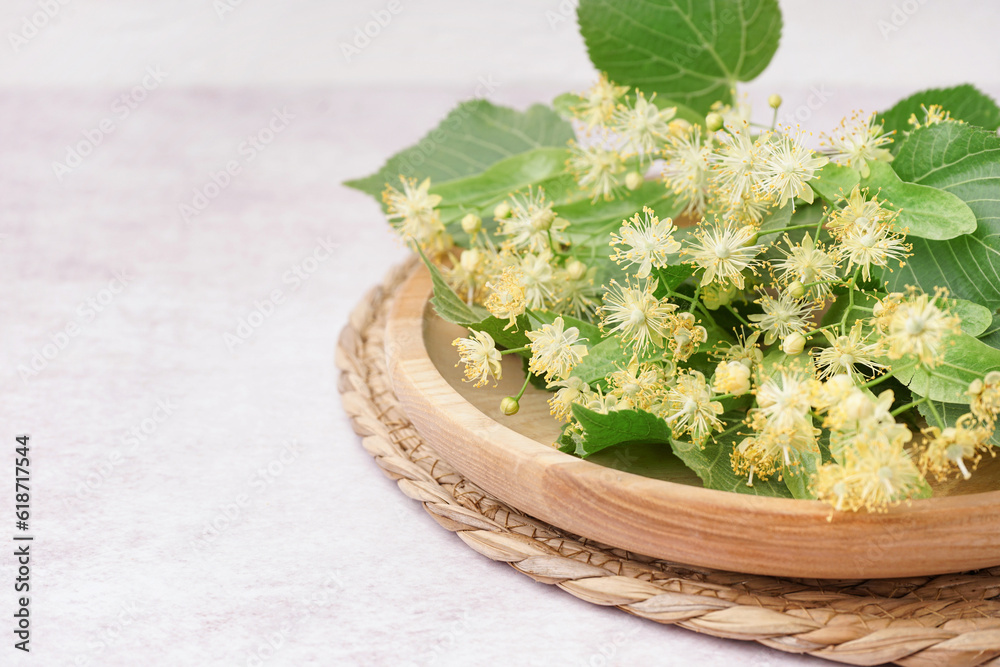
[120, 575]
[400, 590]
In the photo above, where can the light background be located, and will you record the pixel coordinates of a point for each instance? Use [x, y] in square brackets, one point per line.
[400, 590]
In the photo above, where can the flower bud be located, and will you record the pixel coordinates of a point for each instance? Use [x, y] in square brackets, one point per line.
[774, 101]
[471, 223]
[471, 260]
[793, 344]
[797, 289]
[509, 406]
[575, 269]
[501, 211]
[634, 180]
[713, 122]
[753, 239]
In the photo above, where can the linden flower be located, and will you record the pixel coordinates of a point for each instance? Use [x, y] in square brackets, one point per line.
[871, 477]
[725, 253]
[948, 449]
[640, 383]
[933, 115]
[736, 162]
[884, 309]
[783, 402]
[782, 316]
[538, 279]
[874, 245]
[689, 408]
[643, 126]
[746, 209]
[532, 224]
[845, 352]
[468, 275]
[858, 213]
[985, 397]
[919, 327]
[596, 168]
[649, 242]
[745, 350]
[571, 390]
[638, 317]
[414, 203]
[860, 141]
[599, 102]
[734, 114]
[507, 299]
[685, 168]
[555, 349]
[481, 358]
[855, 415]
[787, 168]
[808, 262]
[685, 336]
[731, 377]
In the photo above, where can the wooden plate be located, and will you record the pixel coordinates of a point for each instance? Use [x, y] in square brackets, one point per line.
[668, 516]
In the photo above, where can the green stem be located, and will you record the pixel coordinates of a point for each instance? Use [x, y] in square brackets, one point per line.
[781, 230]
[694, 300]
[906, 407]
[930, 404]
[516, 350]
[737, 315]
[527, 379]
[850, 300]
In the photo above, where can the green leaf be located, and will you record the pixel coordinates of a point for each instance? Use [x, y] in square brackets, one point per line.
[965, 359]
[964, 161]
[690, 52]
[545, 167]
[834, 181]
[992, 334]
[563, 104]
[448, 305]
[601, 431]
[712, 465]
[798, 477]
[975, 318]
[475, 135]
[602, 360]
[965, 102]
[926, 212]
[592, 222]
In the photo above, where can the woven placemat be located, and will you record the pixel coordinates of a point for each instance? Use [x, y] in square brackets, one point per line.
[949, 620]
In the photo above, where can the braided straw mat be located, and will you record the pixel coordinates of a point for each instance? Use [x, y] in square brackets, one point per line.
[949, 620]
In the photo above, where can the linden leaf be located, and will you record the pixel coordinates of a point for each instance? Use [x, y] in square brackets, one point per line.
[475, 135]
[965, 102]
[834, 181]
[965, 161]
[688, 52]
[965, 359]
[712, 464]
[924, 211]
[601, 431]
